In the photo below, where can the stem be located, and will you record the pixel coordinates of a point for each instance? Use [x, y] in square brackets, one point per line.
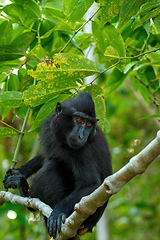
[9, 126]
[79, 29]
[105, 71]
[14, 161]
[137, 56]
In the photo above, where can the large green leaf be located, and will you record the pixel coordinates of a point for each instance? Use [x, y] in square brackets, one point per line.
[64, 66]
[129, 9]
[47, 109]
[7, 132]
[11, 99]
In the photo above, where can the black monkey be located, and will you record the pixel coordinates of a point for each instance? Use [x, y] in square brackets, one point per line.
[74, 161]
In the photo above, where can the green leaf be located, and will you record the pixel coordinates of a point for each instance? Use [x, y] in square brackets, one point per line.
[47, 109]
[129, 9]
[100, 111]
[99, 36]
[144, 93]
[107, 126]
[7, 132]
[151, 116]
[114, 80]
[110, 9]
[6, 33]
[115, 39]
[66, 66]
[16, 12]
[11, 99]
[13, 82]
[37, 53]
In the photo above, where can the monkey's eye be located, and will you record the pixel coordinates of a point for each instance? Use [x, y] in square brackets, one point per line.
[89, 124]
[80, 120]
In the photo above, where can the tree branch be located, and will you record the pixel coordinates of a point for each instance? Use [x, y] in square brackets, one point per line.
[88, 205]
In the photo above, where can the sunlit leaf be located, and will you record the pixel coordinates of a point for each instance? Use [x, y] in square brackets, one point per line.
[66, 66]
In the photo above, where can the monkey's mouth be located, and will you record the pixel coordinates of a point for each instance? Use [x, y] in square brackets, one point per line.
[75, 144]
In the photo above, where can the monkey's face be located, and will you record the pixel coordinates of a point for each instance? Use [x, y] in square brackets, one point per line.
[83, 127]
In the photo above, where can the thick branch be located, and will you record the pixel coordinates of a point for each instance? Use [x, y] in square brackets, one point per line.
[88, 205]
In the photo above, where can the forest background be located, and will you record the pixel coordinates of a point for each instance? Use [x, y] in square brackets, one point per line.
[126, 42]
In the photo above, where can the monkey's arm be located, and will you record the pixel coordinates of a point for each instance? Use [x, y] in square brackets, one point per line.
[16, 177]
[32, 166]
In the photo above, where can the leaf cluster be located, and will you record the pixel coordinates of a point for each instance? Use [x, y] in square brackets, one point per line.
[125, 35]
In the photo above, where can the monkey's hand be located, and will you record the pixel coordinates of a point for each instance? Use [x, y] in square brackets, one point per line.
[14, 179]
[54, 222]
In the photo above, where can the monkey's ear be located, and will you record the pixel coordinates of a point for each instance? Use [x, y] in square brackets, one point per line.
[59, 107]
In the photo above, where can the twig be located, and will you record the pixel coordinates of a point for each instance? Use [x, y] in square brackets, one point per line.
[14, 161]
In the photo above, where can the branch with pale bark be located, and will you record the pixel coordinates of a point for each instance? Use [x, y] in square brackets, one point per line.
[88, 204]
